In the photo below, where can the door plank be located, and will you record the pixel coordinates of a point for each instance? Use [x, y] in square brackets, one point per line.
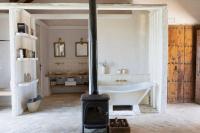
[197, 86]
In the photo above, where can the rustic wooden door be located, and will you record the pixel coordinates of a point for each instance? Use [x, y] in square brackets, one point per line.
[180, 64]
[197, 42]
[189, 65]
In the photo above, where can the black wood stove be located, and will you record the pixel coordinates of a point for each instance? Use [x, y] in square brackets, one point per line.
[95, 112]
[94, 106]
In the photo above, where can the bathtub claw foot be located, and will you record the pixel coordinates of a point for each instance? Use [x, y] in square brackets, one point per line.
[136, 109]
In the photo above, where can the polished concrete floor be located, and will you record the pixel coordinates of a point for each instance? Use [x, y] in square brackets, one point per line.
[62, 114]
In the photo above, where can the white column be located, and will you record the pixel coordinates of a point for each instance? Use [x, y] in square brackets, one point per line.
[15, 96]
[158, 57]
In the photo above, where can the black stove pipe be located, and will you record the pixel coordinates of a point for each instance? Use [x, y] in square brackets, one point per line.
[93, 60]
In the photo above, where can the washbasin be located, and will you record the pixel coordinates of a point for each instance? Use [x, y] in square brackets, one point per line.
[70, 73]
[56, 73]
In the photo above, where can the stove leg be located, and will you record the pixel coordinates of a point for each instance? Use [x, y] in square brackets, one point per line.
[107, 129]
[82, 129]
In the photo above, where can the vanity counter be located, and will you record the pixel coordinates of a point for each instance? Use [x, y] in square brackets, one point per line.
[68, 82]
[55, 75]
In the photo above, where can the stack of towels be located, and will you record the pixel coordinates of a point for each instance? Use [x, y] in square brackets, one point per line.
[70, 82]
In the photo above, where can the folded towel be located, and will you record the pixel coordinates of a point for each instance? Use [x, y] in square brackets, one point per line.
[67, 83]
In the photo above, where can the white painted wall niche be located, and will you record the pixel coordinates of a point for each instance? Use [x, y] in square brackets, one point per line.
[137, 43]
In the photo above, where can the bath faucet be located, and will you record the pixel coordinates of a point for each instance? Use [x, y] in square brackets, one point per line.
[122, 71]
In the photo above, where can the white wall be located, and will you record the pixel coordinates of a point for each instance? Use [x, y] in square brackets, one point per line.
[149, 1]
[71, 62]
[179, 11]
[123, 43]
[4, 52]
[184, 11]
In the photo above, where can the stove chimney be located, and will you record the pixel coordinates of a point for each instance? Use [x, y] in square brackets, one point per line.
[93, 61]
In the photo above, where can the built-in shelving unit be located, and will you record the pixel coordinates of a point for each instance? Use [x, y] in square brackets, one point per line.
[23, 84]
[26, 35]
[23, 69]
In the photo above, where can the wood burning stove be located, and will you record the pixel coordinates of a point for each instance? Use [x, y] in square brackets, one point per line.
[94, 106]
[94, 111]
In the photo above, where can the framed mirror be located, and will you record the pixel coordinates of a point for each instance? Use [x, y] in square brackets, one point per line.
[59, 48]
[81, 48]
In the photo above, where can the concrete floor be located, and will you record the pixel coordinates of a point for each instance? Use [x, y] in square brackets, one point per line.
[62, 114]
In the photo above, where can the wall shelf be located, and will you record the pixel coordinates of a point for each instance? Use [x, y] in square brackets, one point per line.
[27, 59]
[23, 84]
[73, 86]
[26, 35]
[5, 93]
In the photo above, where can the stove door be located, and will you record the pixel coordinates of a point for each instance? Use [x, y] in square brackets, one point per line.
[96, 113]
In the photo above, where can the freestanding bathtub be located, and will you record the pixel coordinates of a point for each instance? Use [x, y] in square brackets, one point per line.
[125, 94]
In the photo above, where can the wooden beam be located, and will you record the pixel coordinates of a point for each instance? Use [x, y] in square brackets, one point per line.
[28, 1]
[22, 1]
[14, 0]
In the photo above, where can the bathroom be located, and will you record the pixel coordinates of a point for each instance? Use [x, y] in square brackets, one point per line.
[125, 49]
[126, 33]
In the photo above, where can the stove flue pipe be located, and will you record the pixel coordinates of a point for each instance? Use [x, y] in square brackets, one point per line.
[93, 56]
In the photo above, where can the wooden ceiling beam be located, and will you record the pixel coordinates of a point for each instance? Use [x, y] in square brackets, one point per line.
[28, 1]
[14, 0]
[22, 1]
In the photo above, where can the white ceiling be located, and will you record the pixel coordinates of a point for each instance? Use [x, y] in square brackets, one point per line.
[69, 22]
